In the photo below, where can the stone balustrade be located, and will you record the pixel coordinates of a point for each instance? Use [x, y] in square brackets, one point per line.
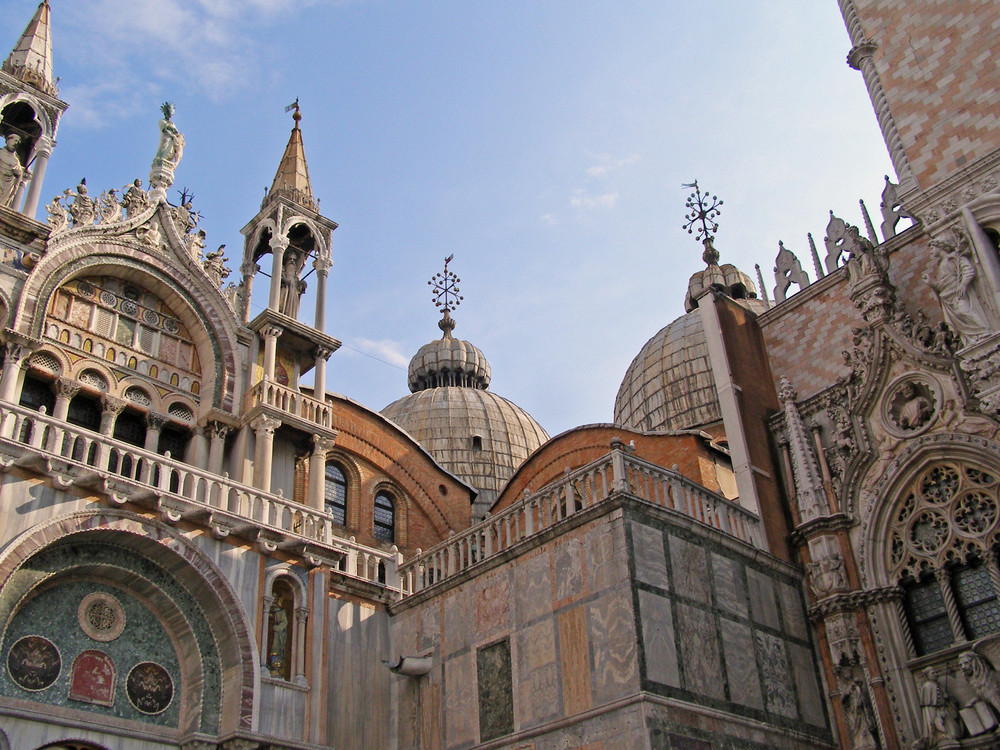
[290, 401]
[77, 456]
[583, 488]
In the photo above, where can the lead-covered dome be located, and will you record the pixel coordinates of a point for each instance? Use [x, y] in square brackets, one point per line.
[478, 436]
[669, 385]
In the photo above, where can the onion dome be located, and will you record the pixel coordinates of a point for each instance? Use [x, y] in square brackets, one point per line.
[478, 436]
[669, 385]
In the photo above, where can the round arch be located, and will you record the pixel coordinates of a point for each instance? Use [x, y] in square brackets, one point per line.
[203, 311]
[397, 497]
[190, 568]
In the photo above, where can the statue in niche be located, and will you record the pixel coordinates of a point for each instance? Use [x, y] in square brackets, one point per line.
[83, 207]
[171, 148]
[950, 277]
[135, 199]
[938, 711]
[292, 286]
[279, 643]
[858, 710]
[12, 172]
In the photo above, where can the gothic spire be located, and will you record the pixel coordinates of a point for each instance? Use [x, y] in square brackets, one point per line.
[292, 177]
[31, 58]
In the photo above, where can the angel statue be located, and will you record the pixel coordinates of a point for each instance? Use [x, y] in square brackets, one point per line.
[171, 147]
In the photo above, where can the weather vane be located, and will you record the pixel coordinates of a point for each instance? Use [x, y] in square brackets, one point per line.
[445, 285]
[701, 221]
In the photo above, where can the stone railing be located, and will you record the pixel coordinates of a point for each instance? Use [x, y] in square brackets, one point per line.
[578, 490]
[75, 456]
[289, 401]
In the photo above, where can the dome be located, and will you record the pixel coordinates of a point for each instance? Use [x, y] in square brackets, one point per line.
[448, 361]
[476, 435]
[669, 385]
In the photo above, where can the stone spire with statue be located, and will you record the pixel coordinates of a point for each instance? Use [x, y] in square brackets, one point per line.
[168, 155]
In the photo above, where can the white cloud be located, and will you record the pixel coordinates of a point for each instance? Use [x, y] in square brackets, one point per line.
[607, 164]
[582, 199]
[385, 350]
[549, 220]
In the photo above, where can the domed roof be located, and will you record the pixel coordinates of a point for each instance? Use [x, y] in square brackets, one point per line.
[669, 385]
[477, 435]
[448, 361]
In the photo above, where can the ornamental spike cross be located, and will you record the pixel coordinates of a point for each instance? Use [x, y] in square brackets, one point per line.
[445, 289]
[704, 210]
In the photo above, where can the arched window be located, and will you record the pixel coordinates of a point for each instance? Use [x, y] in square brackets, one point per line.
[943, 546]
[385, 517]
[335, 494]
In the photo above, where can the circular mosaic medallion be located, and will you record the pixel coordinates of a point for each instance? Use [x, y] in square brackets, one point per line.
[170, 325]
[108, 298]
[101, 617]
[130, 308]
[148, 316]
[149, 688]
[85, 289]
[33, 662]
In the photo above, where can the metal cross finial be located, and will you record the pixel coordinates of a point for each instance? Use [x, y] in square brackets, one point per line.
[704, 210]
[445, 284]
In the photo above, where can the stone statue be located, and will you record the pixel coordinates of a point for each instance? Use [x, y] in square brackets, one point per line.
[58, 218]
[279, 638]
[913, 408]
[171, 147]
[83, 207]
[215, 265]
[950, 277]
[196, 243]
[940, 716]
[859, 714]
[110, 209]
[11, 170]
[981, 677]
[135, 199]
[292, 287]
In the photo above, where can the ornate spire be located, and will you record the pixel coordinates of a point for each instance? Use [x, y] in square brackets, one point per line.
[292, 177]
[704, 210]
[31, 58]
[445, 295]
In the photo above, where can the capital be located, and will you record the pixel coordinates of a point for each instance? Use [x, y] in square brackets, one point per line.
[265, 425]
[113, 405]
[860, 53]
[278, 243]
[155, 421]
[67, 387]
[272, 332]
[322, 265]
[323, 445]
[219, 430]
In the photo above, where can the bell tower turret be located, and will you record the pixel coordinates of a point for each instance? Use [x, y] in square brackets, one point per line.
[30, 109]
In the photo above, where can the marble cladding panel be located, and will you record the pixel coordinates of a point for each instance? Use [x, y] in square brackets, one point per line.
[493, 609]
[689, 566]
[741, 664]
[240, 566]
[763, 599]
[24, 503]
[538, 674]
[605, 559]
[793, 611]
[282, 710]
[458, 633]
[699, 642]
[22, 732]
[807, 685]
[621, 729]
[356, 683]
[429, 633]
[730, 591]
[461, 719]
[650, 558]
[567, 569]
[495, 688]
[533, 588]
[574, 655]
[779, 698]
[658, 641]
[611, 624]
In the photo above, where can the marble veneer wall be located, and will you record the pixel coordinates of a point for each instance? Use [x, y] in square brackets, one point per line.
[632, 628]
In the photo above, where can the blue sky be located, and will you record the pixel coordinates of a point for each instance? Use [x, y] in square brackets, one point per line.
[543, 143]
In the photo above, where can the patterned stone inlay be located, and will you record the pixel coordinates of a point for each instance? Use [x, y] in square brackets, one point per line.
[33, 663]
[149, 688]
[101, 617]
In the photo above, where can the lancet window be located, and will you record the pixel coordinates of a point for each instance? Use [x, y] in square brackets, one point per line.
[943, 548]
[385, 517]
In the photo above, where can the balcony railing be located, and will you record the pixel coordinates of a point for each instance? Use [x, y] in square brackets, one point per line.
[78, 456]
[290, 401]
[577, 491]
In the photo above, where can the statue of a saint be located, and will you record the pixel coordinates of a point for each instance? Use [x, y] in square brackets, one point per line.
[276, 654]
[11, 170]
[951, 277]
[171, 147]
[135, 199]
[940, 715]
[860, 716]
[292, 287]
[83, 208]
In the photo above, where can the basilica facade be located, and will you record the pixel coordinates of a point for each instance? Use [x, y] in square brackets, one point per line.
[785, 536]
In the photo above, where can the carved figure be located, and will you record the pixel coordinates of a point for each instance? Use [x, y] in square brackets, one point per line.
[951, 277]
[196, 243]
[58, 217]
[787, 269]
[135, 199]
[11, 170]
[859, 714]
[109, 207]
[279, 638]
[82, 209]
[292, 287]
[215, 266]
[940, 716]
[912, 408]
[827, 575]
[171, 146]
[982, 677]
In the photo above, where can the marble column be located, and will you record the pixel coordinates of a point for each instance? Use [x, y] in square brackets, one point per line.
[154, 423]
[263, 427]
[319, 377]
[13, 372]
[317, 470]
[299, 646]
[112, 408]
[271, 334]
[278, 247]
[197, 450]
[217, 446]
[43, 150]
[322, 266]
[66, 389]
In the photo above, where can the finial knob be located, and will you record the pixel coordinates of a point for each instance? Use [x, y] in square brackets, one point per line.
[700, 221]
[445, 295]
